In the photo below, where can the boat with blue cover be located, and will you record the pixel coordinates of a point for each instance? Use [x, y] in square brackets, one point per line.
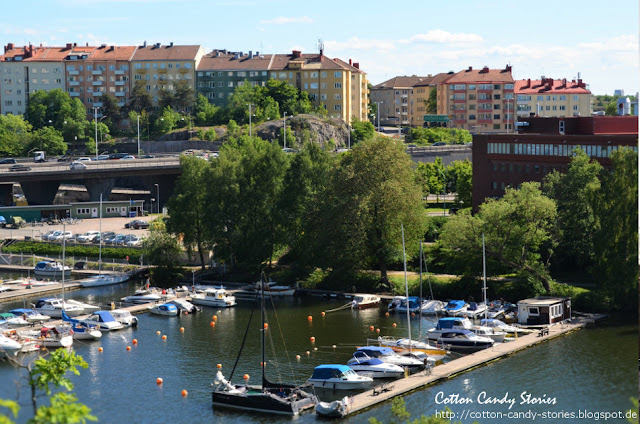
[455, 307]
[166, 309]
[30, 315]
[374, 367]
[103, 320]
[464, 340]
[338, 377]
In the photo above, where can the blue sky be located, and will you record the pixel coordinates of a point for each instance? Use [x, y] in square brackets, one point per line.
[559, 39]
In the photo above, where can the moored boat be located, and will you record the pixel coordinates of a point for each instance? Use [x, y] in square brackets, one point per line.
[335, 409]
[338, 377]
[166, 309]
[405, 345]
[374, 367]
[51, 269]
[144, 296]
[432, 307]
[389, 356]
[363, 301]
[104, 280]
[216, 297]
[184, 306]
[49, 337]
[464, 340]
[124, 317]
[474, 310]
[30, 315]
[455, 308]
[11, 320]
[103, 320]
[87, 308]
[53, 307]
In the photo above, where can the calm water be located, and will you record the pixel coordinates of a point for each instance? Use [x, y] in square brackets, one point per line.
[593, 369]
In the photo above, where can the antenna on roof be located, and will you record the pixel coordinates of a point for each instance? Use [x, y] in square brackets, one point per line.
[320, 46]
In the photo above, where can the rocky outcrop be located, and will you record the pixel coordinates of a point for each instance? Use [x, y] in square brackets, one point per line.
[307, 128]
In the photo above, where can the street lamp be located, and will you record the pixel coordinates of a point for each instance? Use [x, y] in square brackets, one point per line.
[444, 191]
[399, 124]
[138, 134]
[349, 136]
[158, 196]
[95, 120]
[251, 104]
[378, 110]
[284, 131]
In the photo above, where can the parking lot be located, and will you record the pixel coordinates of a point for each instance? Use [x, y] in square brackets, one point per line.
[108, 224]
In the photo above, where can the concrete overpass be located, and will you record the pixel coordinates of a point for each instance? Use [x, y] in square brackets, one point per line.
[41, 183]
[448, 153]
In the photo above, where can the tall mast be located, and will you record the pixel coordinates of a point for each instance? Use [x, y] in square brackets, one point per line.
[406, 285]
[420, 300]
[262, 364]
[484, 277]
[100, 249]
[64, 238]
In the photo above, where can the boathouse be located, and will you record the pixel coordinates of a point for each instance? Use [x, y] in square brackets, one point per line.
[544, 310]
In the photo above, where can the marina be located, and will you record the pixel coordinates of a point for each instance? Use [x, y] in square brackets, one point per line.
[194, 353]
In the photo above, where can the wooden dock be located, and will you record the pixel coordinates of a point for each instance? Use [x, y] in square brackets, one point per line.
[22, 293]
[370, 398]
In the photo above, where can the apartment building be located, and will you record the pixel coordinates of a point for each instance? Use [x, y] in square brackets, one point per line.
[220, 72]
[160, 67]
[104, 70]
[547, 97]
[421, 93]
[339, 86]
[396, 102]
[479, 100]
[27, 69]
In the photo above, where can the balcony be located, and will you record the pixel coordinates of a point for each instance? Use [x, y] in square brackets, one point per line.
[183, 70]
[74, 83]
[120, 93]
[96, 73]
[119, 72]
[120, 82]
[73, 72]
[122, 103]
[74, 94]
[96, 83]
[97, 104]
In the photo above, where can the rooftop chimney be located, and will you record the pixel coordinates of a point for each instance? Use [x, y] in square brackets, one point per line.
[144, 44]
[470, 69]
[356, 65]
[350, 63]
[9, 46]
[295, 54]
[528, 83]
[484, 70]
[507, 68]
[171, 44]
[68, 46]
[250, 54]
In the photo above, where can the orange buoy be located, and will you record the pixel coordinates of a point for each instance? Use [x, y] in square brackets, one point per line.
[159, 381]
[184, 393]
[219, 366]
[413, 314]
[309, 318]
[182, 329]
[298, 357]
[323, 314]
[394, 325]
[215, 317]
[246, 376]
[377, 330]
[262, 364]
[212, 324]
[100, 349]
[158, 333]
[266, 325]
[371, 327]
[134, 341]
[128, 348]
[164, 337]
[386, 314]
[313, 339]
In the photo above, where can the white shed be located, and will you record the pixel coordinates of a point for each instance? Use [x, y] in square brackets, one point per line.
[544, 310]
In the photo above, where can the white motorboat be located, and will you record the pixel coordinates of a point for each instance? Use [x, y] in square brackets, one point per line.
[502, 326]
[104, 280]
[144, 296]
[124, 317]
[464, 340]
[30, 315]
[374, 367]
[273, 289]
[363, 301]
[389, 356]
[82, 332]
[166, 309]
[338, 377]
[11, 320]
[184, 306]
[474, 310]
[103, 320]
[87, 308]
[455, 308]
[446, 324]
[27, 343]
[8, 346]
[399, 304]
[402, 346]
[216, 297]
[51, 269]
[49, 337]
[432, 307]
[53, 307]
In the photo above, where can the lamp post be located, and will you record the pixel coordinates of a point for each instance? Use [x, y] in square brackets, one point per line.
[284, 131]
[138, 134]
[95, 120]
[378, 110]
[251, 104]
[444, 191]
[399, 124]
[349, 136]
[158, 196]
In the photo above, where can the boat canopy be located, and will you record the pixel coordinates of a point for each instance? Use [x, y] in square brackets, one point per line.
[363, 360]
[168, 307]
[444, 323]
[454, 332]
[104, 316]
[376, 350]
[324, 372]
[22, 311]
[455, 304]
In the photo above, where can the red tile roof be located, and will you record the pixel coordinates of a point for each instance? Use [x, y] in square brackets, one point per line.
[153, 52]
[549, 85]
[33, 53]
[105, 52]
[484, 75]
[230, 62]
[403, 81]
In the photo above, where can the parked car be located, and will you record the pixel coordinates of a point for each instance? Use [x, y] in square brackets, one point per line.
[51, 235]
[147, 157]
[134, 241]
[19, 168]
[7, 161]
[83, 159]
[117, 155]
[128, 157]
[439, 143]
[101, 157]
[87, 237]
[120, 239]
[137, 224]
[77, 166]
[108, 238]
[58, 237]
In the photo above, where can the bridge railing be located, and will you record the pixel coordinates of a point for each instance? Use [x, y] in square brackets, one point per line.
[96, 165]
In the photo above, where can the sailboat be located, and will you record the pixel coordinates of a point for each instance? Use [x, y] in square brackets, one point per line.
[408, 345]
[103, 279]
[268, 397]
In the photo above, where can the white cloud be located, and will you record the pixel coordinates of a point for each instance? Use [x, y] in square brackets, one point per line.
[355, 43]
[440, 36]
[288, 20]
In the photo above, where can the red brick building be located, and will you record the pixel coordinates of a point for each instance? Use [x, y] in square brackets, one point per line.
[543, 145]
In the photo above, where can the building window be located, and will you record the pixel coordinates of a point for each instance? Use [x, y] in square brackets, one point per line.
[337, 96]
[314, 85]
[496, 86]
[230, 84]
[314, 75]
[494, 185]
[337, 107]
[337, 85]
[337, 74]
[323, 74]
[323, 96]
[496, 97]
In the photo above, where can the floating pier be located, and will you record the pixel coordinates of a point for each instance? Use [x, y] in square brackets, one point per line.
[390, 390]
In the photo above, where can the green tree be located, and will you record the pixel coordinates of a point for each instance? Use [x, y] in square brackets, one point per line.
[163, 250]
[361, 130]
[611, 109]
[53, 108]
[183, 95]
[373, 191]
[205, 113]
[140, 98]
[211, 135]
[288, 98]
[167, 120]
[49, 140]
[188, 206]
[431, 177]
[616, 241]
[519, 230]
[460, 181]
[110, 110]
[431, 103]
[15, 135]
[575, 193]
[399, 411]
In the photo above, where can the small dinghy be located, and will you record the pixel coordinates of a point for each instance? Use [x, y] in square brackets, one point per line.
[335, 409]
